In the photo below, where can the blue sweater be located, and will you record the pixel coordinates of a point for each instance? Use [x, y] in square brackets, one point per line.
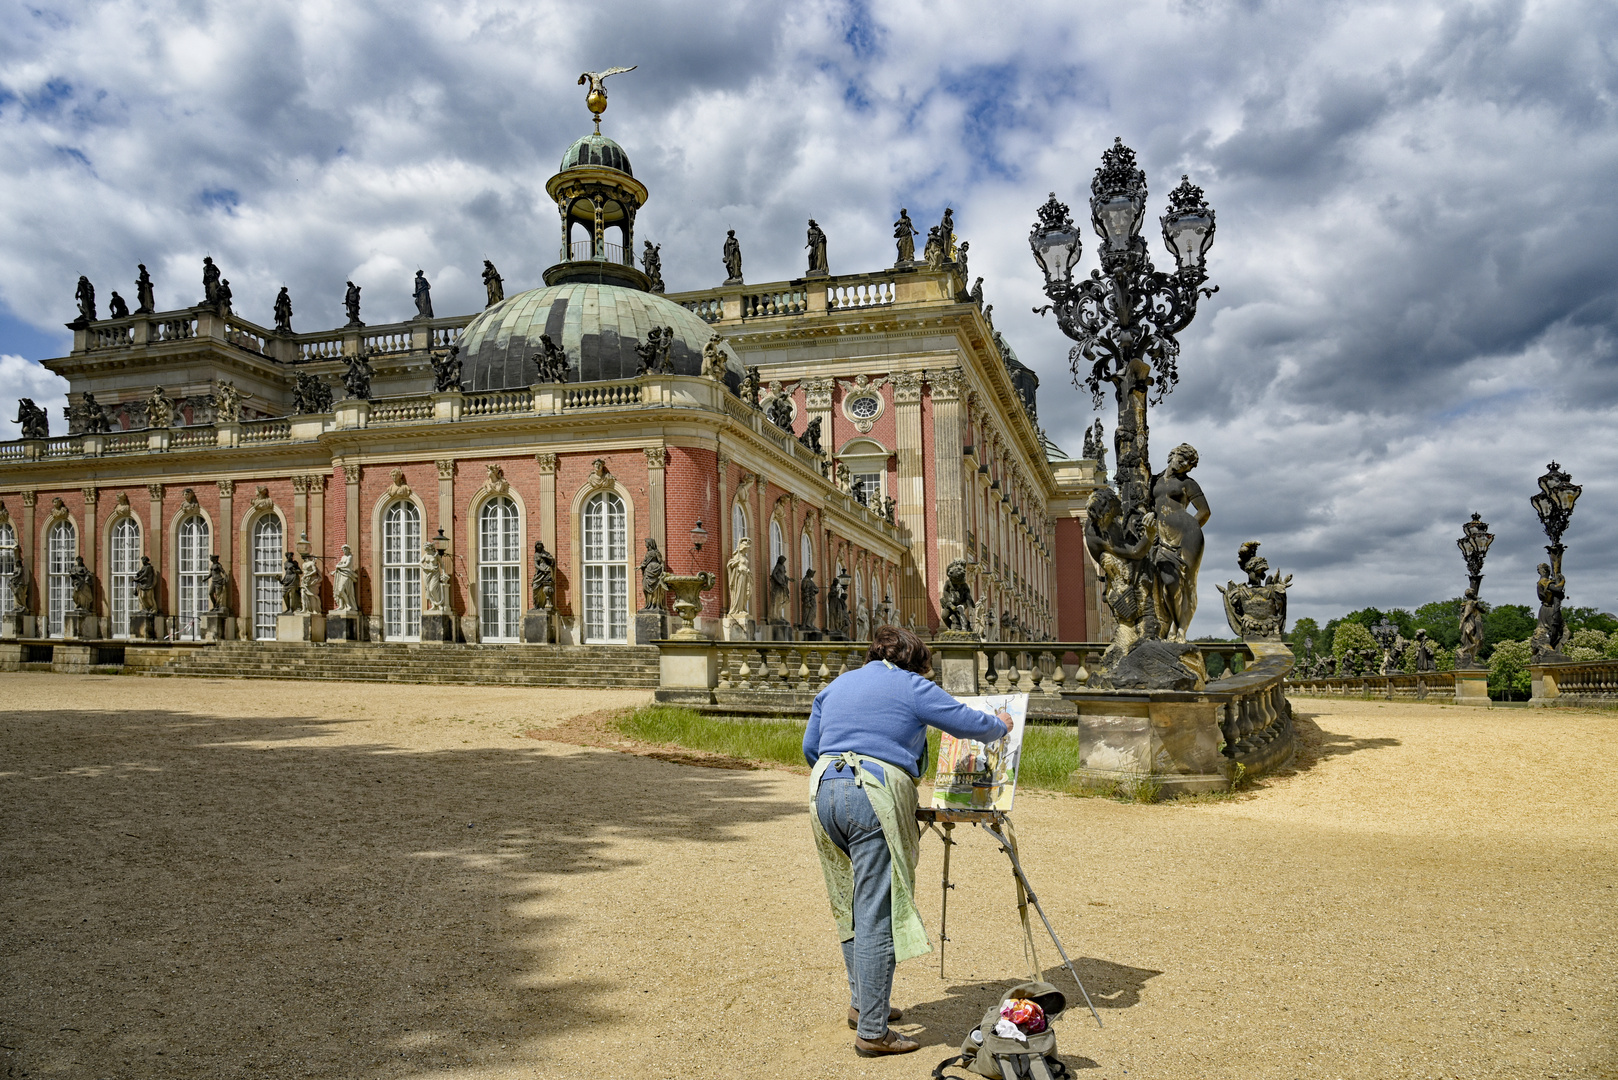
[883, 712]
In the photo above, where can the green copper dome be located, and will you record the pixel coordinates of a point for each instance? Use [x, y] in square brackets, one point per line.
[598, 150]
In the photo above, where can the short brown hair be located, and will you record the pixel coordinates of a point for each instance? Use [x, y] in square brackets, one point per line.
[901, 648]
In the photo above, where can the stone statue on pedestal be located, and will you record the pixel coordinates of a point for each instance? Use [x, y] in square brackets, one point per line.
[357, 377]
[780, 591]
[1182, 511]
[905, 232]
[807, 592]
[84, 587]
[1424, 653]
[351, 302]
[750, 387]
[32, 419]
[651, 261]
[344, 579]
[739, 580]
[283, 312]
[85, 294]
[291, 575]
[227, 403]
[550, 362]
[493, 286]
[222, 297]
[733, 259]
[434, 580]
[1550, 633]
[145, 301]
[446, 369]
[218, 586]
[1258, 609]
[955, 600]
[309, 581]
[544, 577]
[837, 608]
[652, 570]
[19, 583]
[116, 308]
[816, 246]
[1466, 656]
[145, 586]
[210, 282]
[159, 409]
[423, 295]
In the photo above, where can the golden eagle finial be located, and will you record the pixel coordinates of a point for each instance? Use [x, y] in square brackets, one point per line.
[596, 99]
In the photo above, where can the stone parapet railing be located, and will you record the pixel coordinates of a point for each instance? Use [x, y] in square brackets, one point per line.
[1584, 682]
[1438, 685]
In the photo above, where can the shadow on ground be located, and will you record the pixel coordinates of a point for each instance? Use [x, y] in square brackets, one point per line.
[179, 902]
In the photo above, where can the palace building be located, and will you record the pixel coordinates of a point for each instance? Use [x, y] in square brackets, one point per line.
[869, 428]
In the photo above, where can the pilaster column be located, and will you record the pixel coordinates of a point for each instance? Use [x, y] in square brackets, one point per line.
[317, 512]
[817, 403]
[761, 554]
[656, 460]
[351, 527]
[88, 547]
[29, 499]
[727, 543]
[300, 511]
[154, 536]
[912, 515]
[224, 533]
[547, 500]
[446, 522]
[947, 448]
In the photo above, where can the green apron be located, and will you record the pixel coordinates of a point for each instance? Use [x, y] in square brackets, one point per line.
[893, 797]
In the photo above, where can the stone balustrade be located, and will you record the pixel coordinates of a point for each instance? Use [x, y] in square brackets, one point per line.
[325, 347]
[602, 395]
[406, 409]
[278, 429]
[1584, 682]
[1439, 685]
[499, 403]
[387, 342]
[245, 335]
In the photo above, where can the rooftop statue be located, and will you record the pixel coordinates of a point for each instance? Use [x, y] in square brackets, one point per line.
[32, 419]
[159, 409]
[750, 387]
[811, 436]
[85, 294]
[976, 293]
[905, 232]
[933, 252]
[713, 357]
[492, 284]
[551, 361]
[446, 369]
[733, 259]
[1257, 610]
[357, 377]
[655, 358]
[351, 302]
[596, 99]
[423, 295]
[960, 261]
[223, 297]
[946, 235]
[116, 308]
[310, 395]
[210, 282]
[145, 302]
[227, 403]
[283, 311]
[780, 412]
[651, 262]
[816, 247]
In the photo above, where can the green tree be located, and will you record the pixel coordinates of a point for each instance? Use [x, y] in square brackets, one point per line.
[1301, 630]
[1442, 621]
[1507, 622]
[1509, 678]
[1588, 618]
[1351, 634]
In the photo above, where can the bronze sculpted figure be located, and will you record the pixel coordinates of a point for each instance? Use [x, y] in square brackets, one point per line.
[493, 286]
[1550, 635]
[222, 297]
[1466, 656]
[85, 294]
[654, 352]
[905, 232]
[423, 295]
[544, 587]
[596, 98]
[291, 575]
[87, 417]
[955, 601]
[652, 570]
[733, 258]
[1257, 610]
[807, 592]
[283, 311]
[116, 308]
[551, 361]
[816, 246]
[1182, 511]
[218, 587]
[780, 591]
[159, 409]
[210, 282]
[310, 395]
[446, 369]
[837, 608]
[810, 439]
[1126, 587]
[357, 377]
[145, 585]
[145, 301]
[651, 261]
[1424, 653]
[32, 419]
[84, 587]
[351, 302]
[780, 412]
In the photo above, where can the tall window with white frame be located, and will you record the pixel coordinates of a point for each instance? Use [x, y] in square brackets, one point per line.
[191, 564]
[738, 525]
[61, 548]
[499, 571]
[8, 565]
[123, 559]
[867, 488]
[606, 569]
[778, 545]
[401, 577]
[267, 548]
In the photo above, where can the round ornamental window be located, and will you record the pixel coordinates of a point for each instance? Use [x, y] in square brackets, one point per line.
[865, 407]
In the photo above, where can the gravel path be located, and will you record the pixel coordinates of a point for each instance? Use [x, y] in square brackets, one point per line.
[254, 879]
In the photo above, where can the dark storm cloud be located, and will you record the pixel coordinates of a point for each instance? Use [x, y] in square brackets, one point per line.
[1418, 284]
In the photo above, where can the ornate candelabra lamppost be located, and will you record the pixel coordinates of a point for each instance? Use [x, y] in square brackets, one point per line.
[1124, 318]
[1554, 505]
[1474, 544]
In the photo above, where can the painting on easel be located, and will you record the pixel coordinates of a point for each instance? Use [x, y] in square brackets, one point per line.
[981, 776]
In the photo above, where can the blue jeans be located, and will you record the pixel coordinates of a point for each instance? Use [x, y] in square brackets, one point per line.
[846, 815]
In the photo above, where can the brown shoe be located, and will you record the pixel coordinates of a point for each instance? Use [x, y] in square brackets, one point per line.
[894, 1016]
[890, 1043]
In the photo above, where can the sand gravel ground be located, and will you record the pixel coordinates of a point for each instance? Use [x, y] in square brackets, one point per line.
[256, 879]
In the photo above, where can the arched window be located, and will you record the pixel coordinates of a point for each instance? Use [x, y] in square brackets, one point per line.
[191, 562]
[8, 564]
[61, 548]
[806, 554]
[401, 577]
[267, 548]
[123, 559]
[499, 571]
[606, 569]
[738, 524]
[778, 544]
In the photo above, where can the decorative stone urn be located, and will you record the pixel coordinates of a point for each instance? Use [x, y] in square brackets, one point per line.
[688, 590]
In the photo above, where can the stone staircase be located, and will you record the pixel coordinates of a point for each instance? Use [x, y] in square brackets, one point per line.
[615, 666]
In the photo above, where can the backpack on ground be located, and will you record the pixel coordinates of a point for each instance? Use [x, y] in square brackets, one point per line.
[1003, 1058]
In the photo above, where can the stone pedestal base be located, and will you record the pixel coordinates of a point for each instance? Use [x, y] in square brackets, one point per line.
[739, 629]
[471, 629]
[78, 627]
[1472, 686]
[17, 626]
[538, 627]
[809, 633]
[300, 626]
[349, 627]
[439, 626]
[958, 665]
[650, 625]
[687, 673]
[780, 631]
[216, 626]
[143, 626]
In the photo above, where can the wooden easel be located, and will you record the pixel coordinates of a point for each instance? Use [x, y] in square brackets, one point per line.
[998, 825]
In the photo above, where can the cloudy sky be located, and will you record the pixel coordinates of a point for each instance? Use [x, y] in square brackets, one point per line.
[1417, 249]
